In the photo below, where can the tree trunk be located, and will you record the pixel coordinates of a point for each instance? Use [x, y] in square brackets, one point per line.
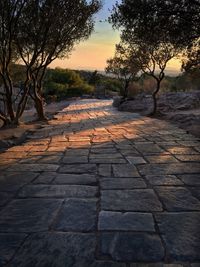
[8, 96]
[154, 96]
[5, 120]
[10, 107]
[37, 90]
[126, 89]
[40, 108]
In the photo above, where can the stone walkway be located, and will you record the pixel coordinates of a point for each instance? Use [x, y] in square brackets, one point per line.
[100, 188]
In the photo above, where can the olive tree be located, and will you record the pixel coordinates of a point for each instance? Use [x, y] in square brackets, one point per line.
[152, 60]
[10, 13]
[53, 30]
[156, 31]
[122, 66]
[192, 57]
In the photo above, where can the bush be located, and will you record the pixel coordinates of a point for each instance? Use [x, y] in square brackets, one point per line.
[64, 83]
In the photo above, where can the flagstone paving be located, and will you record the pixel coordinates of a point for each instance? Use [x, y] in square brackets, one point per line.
[99, 188]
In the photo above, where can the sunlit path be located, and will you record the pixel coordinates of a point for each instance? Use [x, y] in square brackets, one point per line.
[100, 188]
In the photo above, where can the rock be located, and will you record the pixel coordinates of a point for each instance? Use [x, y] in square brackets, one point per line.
[179, 101]
[117, 101]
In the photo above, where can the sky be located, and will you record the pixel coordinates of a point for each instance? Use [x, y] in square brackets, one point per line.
[93, 53]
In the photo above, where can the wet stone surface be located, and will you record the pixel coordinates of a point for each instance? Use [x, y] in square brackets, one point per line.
[99, 188]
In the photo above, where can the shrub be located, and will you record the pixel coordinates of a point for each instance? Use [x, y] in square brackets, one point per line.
[64, 83]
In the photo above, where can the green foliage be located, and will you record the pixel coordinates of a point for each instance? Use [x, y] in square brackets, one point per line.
[112, 84]
[192, 60]
[94, 78]
[65, 83]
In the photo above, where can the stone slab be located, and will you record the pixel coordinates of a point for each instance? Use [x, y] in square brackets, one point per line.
[45, 178]
[190, 158]
[77, 215]
[16, 178]
[132, 247]
[24, 216]
[180, 232]
[178, 199]
[182, 150]
[33, 167]
[191, 179]
[56, 249]
[57, 191]
[75, 159]
[195, 191]
[5, 197]
[128, 221]
[122, 183]
[105, 170]
[76, 179]
[171, 168]
[161, 159]
[125, 170]
[79, 168]
[77, 152]
[105, 160]
[163, 180]
[9, 243]
[147, 149]
[130, 200]
[135, 160]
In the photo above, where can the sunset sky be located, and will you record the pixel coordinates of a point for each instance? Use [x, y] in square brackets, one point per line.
[93, 53]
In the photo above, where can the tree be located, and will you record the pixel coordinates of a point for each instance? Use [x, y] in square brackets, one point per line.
[122, 66]
[192, 60]
[10, 12]
[63, 83]
[150, 29]
[44, 39]
[152, 60]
